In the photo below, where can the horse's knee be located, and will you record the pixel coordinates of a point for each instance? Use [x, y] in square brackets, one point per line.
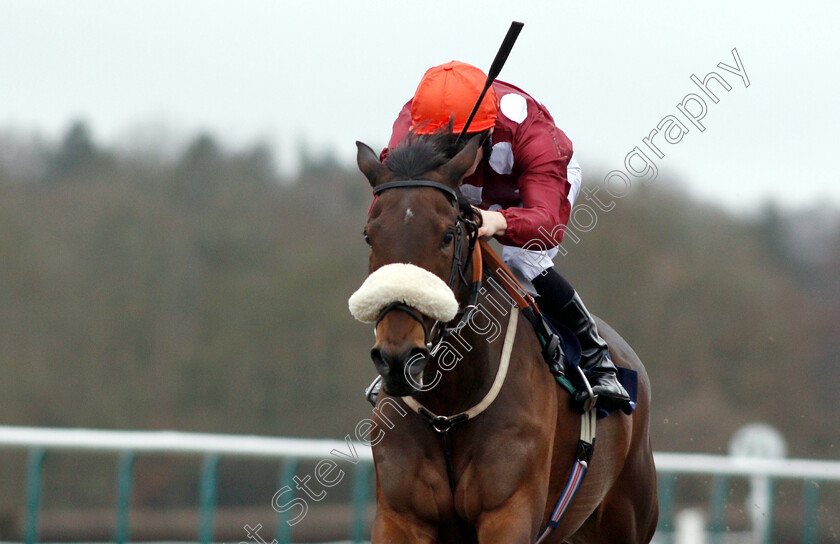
[513, 525]
[515, 533]
[395, 529]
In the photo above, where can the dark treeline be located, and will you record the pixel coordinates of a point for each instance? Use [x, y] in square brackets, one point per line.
[203, 293]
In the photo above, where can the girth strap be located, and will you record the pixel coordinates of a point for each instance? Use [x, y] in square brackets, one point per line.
[585, 449]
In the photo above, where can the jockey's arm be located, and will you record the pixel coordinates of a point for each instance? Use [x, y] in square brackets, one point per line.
[542, 157]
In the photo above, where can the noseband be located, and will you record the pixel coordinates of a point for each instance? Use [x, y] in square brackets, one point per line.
[469, 233]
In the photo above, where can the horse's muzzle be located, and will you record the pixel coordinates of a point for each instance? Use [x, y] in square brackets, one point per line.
[401, 370]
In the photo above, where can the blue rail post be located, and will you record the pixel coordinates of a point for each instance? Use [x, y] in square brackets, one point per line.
[33, 494]
[361, 477]
[287, 472]
[771, 507]
[125, 477]
[665, 527]
[717, 517]
[207, 498]
[810, 504]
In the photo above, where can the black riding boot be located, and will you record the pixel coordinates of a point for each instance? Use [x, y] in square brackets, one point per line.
[559, 301]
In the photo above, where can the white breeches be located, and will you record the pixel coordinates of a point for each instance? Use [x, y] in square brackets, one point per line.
[527, 264]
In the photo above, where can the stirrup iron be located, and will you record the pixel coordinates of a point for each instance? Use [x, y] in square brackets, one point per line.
[592, 399]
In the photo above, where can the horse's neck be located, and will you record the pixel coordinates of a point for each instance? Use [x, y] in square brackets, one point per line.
[467, 360]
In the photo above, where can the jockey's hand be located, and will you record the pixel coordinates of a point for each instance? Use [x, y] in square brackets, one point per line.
[492, 223]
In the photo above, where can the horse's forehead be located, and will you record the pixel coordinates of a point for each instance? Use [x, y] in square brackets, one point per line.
[418, 205]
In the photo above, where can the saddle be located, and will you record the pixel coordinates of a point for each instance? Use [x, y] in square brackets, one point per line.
[560, 346]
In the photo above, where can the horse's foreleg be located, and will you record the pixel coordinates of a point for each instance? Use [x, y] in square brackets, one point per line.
[515, 522]
[393, 528]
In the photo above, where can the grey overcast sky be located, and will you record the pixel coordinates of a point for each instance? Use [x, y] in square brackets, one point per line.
[333, 72]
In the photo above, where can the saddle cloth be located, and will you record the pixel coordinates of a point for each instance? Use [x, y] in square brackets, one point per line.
[572, 381]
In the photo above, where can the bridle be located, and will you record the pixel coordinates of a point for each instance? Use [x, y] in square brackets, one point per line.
[465, 237]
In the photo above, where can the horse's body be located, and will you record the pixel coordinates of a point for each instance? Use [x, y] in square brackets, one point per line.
[510, 463]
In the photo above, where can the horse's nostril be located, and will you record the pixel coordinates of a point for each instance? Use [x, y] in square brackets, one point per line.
[416, 361]
[379, 361]
[411, 362]
[418, 353]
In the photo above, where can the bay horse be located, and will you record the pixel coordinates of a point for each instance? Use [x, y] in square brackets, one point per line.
[495, 477]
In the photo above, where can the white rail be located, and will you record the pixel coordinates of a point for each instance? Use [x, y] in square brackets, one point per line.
[300, 448]
[693, 463]
[173, 442]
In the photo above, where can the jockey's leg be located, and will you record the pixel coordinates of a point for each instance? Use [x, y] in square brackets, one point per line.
[558, 299]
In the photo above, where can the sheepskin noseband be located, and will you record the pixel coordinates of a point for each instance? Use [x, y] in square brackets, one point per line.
[405, 283]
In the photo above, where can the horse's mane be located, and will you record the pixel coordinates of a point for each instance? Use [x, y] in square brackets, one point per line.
[421, 153]
[418, 154]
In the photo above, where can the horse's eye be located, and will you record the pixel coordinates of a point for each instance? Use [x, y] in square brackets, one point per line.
[367, 238]
[447, 238]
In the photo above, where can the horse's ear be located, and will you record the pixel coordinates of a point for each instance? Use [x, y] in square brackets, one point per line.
[369, 164]
[460, 164]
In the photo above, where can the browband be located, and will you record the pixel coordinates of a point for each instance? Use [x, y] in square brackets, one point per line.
[416, 183]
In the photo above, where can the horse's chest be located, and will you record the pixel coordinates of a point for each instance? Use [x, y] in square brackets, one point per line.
[415, 483]
[491, 476]
[484, 479]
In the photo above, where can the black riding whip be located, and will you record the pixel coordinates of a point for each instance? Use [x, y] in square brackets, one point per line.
[495, 68]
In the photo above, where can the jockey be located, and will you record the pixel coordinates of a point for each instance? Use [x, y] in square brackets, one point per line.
[524, 183]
